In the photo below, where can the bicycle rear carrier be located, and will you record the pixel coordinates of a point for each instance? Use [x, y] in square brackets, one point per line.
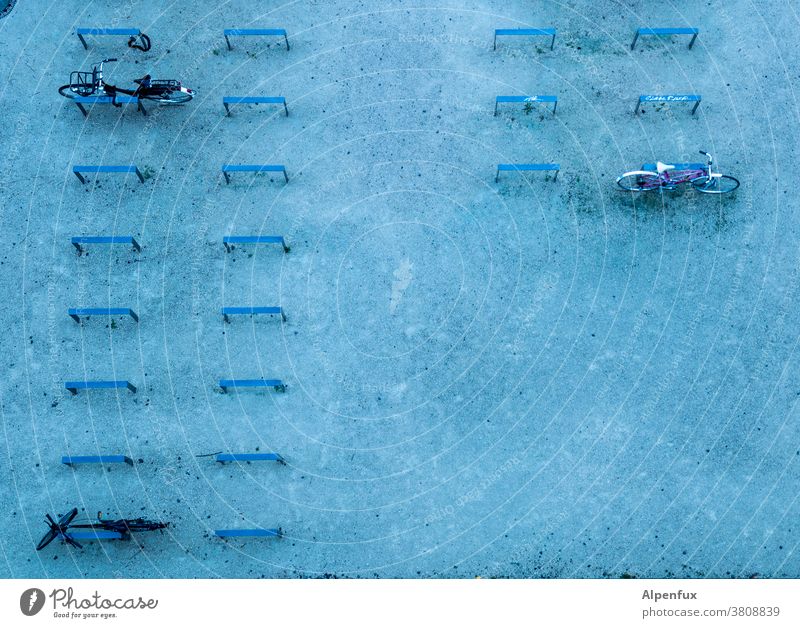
[165, 84]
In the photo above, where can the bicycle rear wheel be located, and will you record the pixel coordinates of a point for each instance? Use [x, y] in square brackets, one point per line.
[639, 181]
[170, 98]
[138, 525]
[715, 185]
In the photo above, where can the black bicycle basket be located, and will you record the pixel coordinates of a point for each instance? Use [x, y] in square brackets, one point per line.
[83, 83]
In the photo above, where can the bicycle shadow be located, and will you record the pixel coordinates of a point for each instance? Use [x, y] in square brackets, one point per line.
[682, 208]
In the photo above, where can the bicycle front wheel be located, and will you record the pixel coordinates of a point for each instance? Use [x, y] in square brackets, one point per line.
[639, 181]
[46, 540]
[715, 185]
[79, 89]
[66, 91]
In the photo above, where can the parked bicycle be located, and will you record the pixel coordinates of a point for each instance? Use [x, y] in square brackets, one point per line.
[61, 528]
[165, 92]
[668, 177]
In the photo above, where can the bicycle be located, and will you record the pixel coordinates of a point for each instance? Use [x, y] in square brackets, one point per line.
[165, 92]
[668, 178]
[61, 528]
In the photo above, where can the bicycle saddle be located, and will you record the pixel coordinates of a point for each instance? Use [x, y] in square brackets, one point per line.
[662, 167]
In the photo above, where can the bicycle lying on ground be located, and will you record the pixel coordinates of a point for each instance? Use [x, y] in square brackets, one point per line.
[122, 527]
[668, 177]
[165, 92]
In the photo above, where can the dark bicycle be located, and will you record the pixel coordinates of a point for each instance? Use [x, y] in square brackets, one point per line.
[123, 527]
[165, 92]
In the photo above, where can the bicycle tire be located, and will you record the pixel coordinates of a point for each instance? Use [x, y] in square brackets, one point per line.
[718, 185]
[66, 91]
[53, 533]
[147, 527]
[46, 540]
[135, 525]
[639, 181]
[145, 42]
[174, 98]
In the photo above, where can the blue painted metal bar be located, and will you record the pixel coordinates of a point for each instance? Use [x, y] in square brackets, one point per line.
[257, 239]
[100, 169]
[227, 168]
[260, 532]
[695, 98]
[109, 31]
[77, 241]
[248, 457]
[95, 535]
[75, 386]
[230, 311]
[526, 167]
[253, 100]
[526, 99]
[252, 383]
[550, 32]
[129, 32]
[77, 312]
[122, 99]
[277, 32]
[645, 30]
[70, 460]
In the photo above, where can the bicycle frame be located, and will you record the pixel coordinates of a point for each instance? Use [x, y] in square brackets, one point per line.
[101, 84]
[123, 527]
[670, 179]
[99, 75]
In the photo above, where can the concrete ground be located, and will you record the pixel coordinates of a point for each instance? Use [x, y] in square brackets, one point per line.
[531, 378]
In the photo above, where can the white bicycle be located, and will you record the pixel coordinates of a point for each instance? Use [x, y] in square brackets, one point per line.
[667, 177]
[164, 92]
